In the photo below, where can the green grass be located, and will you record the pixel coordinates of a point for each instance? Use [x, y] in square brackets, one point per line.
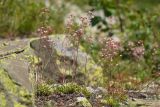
[22, 18]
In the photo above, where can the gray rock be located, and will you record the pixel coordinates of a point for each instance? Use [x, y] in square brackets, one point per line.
[143, 96]
[48, 55]
[10, 47]
[151, 87]
[101, 90]
[143, 103]
[82, 101]
[91, 90]
[15, 63]
[14, 71]
[60, 50]
[126, 103]
[133, 99]
[18, 71]
[97, 91]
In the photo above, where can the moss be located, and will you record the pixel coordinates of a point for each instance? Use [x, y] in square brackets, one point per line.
[68, 88]
[16, 104]
[43, 89]
[111, 101]
[8, 83]
[2, 99]
[71, 88]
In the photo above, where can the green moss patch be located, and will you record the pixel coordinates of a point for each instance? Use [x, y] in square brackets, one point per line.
[68, 88]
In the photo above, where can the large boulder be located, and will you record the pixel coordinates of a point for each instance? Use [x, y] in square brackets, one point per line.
[60, 58]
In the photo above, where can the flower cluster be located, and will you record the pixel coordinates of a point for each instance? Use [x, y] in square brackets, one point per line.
[70, 22]
[136, 49]
[110, 49]
[44, 31]
[138, 52]
[44, 10]
[77, 28]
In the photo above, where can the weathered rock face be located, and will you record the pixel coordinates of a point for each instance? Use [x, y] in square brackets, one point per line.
[62, 58]
[15, 86]
[45, 51]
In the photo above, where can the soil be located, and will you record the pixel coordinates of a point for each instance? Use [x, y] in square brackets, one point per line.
[58, 100]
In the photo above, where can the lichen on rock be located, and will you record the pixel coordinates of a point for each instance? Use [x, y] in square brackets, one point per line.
[12, 93]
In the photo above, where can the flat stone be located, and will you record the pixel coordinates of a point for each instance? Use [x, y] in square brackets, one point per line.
[10, 47]
[144, 103]
[18, 70]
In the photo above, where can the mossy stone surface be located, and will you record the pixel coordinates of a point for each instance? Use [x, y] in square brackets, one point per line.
[12, 94]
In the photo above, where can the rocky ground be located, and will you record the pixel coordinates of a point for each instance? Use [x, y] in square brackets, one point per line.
[97, 99]
[16, 88]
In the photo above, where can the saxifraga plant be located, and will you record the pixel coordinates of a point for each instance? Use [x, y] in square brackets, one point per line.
[45, 43]
[110, 50]
[74, 32]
